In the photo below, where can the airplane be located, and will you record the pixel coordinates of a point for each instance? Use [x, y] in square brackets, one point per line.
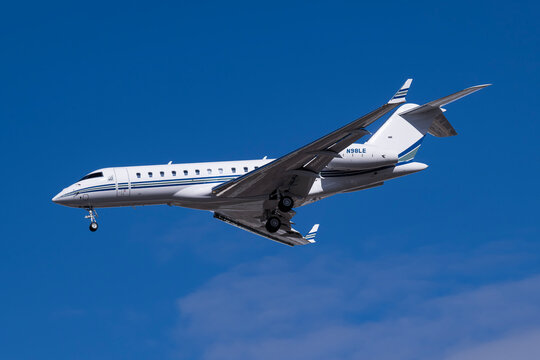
[259, 195]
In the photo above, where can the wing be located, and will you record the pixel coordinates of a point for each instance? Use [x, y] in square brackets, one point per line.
[251, 221]
[295, 172]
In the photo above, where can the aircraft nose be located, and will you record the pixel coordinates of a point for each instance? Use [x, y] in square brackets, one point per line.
[60, 198]
[66, 198]
[56, 198]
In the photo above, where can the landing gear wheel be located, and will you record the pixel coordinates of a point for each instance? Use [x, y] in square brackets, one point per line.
[285, 204]
[93, 226]
[92, 215]
[273, 224]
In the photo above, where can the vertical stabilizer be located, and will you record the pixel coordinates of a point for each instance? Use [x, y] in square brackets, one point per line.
[401, 135]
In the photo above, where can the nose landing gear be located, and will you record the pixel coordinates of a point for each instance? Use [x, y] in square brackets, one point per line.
[93, 226]
[92, 215]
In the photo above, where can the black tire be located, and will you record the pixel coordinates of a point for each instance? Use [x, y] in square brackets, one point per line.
[93, 226]
[273, 224]
[285, 204]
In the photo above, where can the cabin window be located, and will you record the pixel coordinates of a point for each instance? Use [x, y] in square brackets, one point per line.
[197, 172]
[256, 167]
[150, 174]
[233, 170]
[162, 173]
[209, 171]
[93, 175]
[173, 173]
[138, 175]
[185, 172]
[245, 169]
[220, 170]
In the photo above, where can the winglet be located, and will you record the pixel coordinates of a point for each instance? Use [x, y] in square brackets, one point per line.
[399, 97]
[312, 233]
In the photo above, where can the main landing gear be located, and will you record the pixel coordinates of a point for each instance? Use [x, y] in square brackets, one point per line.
[92, 215]
[285, 204]
[273, 224]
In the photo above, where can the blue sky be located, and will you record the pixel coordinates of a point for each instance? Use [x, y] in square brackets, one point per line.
[441, 264]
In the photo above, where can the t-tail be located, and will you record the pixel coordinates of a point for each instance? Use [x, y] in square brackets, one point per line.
[405, 130]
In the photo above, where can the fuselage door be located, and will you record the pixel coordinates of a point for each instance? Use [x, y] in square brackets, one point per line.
[123, 185]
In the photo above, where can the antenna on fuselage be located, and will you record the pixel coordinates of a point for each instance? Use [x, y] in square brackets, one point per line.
[169, 163]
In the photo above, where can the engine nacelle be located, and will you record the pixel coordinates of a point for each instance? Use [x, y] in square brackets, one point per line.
[362, 157]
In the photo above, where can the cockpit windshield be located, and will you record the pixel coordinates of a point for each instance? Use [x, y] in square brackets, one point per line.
[92, 175]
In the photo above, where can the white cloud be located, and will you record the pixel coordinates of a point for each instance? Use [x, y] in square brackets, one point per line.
[525, 346]
[334, 308]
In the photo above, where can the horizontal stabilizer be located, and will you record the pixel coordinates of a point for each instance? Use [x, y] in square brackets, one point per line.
[404, 131]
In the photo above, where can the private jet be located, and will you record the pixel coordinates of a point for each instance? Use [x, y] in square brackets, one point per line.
[260, 195]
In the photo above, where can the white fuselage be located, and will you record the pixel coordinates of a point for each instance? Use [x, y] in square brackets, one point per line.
[190, 185]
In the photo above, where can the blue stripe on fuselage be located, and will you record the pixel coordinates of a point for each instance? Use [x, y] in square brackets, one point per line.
[154, 183]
